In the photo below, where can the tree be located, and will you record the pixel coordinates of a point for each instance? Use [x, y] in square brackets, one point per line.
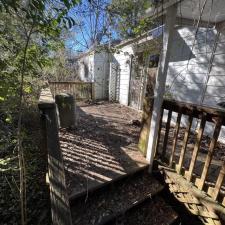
[26, 29]
[126, 17]
[92, 25]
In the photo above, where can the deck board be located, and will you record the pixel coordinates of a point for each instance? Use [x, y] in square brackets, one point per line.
[103, 147]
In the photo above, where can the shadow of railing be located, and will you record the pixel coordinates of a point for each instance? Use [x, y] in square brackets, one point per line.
[100, 148]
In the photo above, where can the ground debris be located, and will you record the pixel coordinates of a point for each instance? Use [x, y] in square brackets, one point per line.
[113, 200]
[102, 147]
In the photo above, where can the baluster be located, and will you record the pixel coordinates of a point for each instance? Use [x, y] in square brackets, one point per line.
[185, 141]
[177, 128]
[159, 133]
[214, 192]
[166, 134]
[74, 89]
[200, 182]
[196, 148]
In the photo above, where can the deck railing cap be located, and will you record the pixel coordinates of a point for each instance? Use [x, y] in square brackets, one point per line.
[46, 99]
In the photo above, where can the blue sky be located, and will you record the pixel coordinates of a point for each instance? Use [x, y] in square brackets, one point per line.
[89, 26]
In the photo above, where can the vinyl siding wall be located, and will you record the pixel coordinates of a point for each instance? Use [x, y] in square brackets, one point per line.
[196, 74]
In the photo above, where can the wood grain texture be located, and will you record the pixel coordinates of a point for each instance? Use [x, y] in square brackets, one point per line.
[60, 209]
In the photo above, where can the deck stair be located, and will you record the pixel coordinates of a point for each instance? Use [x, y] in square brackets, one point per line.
[132, 199]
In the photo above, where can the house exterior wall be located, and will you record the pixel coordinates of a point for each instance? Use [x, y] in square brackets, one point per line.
[197, 74]
[123, 60]
[189, 66]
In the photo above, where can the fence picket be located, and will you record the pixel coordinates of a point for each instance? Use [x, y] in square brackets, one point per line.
[177, 127]
[80, 90]
[196, 148]
[185, 141]
[200, 183]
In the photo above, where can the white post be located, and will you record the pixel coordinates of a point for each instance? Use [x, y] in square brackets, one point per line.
[161, 82]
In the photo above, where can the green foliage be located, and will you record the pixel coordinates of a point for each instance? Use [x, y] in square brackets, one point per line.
[29, 32]
[127, 17]
[39, 21]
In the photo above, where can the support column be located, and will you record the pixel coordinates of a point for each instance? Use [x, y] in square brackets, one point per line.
[161, 81]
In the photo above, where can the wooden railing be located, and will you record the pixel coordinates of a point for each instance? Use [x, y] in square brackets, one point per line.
[80, 90]
[60, 209]
[177, 151]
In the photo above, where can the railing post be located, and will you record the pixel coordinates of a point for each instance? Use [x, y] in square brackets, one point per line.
[161, 81]
[60, 209]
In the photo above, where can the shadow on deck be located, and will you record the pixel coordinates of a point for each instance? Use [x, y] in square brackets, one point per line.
[103, 147]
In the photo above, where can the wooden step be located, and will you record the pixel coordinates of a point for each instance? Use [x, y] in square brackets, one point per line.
[152, 211]
[74, 197]
[115, 199]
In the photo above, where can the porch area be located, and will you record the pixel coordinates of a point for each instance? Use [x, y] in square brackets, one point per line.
[102, 147]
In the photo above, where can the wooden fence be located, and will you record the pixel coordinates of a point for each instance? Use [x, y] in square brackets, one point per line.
[184, 152]
[80, 90]
[60, 210]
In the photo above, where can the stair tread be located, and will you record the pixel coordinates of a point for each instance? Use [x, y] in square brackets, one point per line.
[114, 199]
[155, 212]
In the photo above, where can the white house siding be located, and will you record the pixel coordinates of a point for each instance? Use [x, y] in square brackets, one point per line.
[189, 77]
[122, 59]
[189, 66]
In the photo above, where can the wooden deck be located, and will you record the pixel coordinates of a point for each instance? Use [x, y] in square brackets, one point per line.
[103, 147]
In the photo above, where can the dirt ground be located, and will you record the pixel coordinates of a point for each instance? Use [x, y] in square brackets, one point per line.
[103, 146]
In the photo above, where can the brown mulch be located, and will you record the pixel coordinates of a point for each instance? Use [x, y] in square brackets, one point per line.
[102, 147]
[96, 208]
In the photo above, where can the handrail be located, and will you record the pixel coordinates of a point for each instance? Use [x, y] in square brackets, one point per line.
[194, 110]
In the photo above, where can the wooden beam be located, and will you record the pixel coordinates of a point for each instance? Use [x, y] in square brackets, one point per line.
[161, 9]
[60, 209]
[161, 81]
[190, 22]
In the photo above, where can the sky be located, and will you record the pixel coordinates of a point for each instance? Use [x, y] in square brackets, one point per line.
[89, 27]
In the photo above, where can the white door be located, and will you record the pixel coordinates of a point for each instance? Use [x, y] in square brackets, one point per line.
[101, 80]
